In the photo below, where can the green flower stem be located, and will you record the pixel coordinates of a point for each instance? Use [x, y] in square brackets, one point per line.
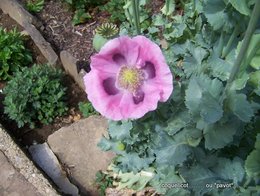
[135, 3]
[220, 44]
[194, 6]
[137, 12]
[167, 5]
[127, 13]
[230, 42]
[182, 3]
[249, 32]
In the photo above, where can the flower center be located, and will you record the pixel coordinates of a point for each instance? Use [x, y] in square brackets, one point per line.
[130, 78]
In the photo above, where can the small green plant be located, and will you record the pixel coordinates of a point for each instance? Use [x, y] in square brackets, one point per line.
[115, 9]
[80, 7]
[80, 16]
[79, 4]
[34, 6]
[13, 54]
[35, 95]
[87, 109]
[103, 181]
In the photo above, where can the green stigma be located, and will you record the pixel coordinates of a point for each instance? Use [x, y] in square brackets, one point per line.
[130, 78]
[107, 30]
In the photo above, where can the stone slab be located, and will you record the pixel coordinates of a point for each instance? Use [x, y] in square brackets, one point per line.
[69, 64]
[17, 12]
[12, 182]
[76, 147]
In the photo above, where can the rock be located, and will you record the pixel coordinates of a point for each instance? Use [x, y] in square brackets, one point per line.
[42, 45]
[12, 182]
[16, 11]
[69, 64]
[44, 158]
[77, 145]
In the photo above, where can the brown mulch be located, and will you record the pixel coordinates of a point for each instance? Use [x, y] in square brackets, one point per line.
[58, 29]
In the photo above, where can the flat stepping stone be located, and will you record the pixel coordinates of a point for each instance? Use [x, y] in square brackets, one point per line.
[76, 148]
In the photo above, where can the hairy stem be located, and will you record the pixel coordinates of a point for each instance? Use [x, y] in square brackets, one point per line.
[135, 3]
[249, 32]
[220, 45]
[137, 12]
[167, 5]
[230, 42]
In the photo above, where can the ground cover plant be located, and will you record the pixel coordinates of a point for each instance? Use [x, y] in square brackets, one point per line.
[35, 94]
[196, 133]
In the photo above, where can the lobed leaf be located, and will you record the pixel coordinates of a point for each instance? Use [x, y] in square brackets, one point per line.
[214, 11]
[239, 105]
[219, 135]
[168, 150]
[241, 6]
[202, 99]
[119, 130]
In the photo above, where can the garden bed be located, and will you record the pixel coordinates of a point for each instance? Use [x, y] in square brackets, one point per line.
[26, 136]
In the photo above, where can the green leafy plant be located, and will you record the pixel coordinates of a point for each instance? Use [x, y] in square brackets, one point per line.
[87, 109]
[252, 163]
[80, 7]
[115, 9]
[80, 16]
[137, 15]
[34, 6]
[34, 95]
[80, 4]
[103, 181]
[13, 54]
[207, 134]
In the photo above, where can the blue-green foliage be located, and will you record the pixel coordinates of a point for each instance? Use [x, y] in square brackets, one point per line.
[35, 94]
[204, 134]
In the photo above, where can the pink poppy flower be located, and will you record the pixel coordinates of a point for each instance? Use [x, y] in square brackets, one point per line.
[128, 77]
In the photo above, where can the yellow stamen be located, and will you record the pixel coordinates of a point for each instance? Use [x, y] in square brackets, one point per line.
[130, 78]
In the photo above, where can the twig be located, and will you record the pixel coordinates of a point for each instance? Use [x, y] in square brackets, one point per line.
[53, 32]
